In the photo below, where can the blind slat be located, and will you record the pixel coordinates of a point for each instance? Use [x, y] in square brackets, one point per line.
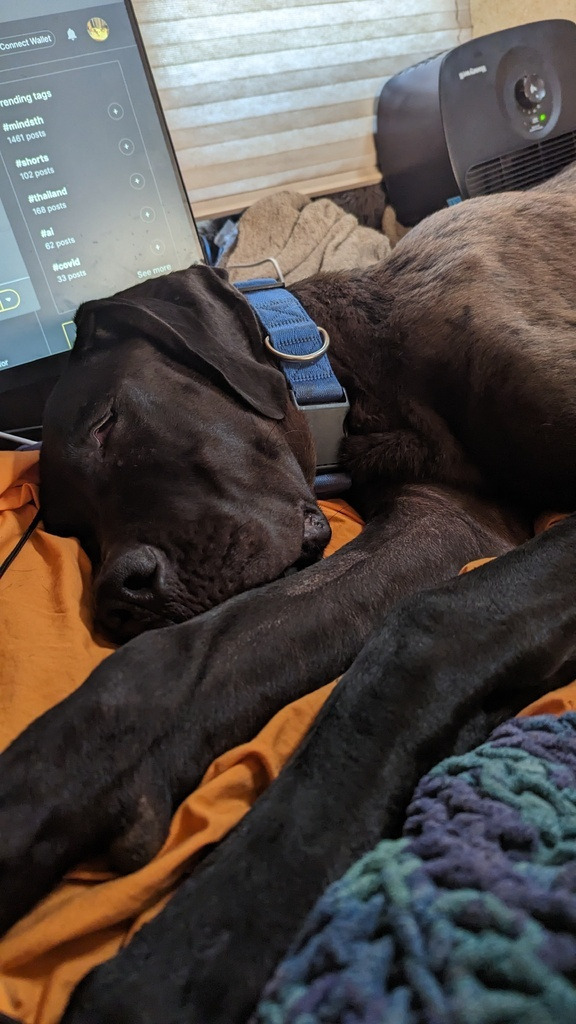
[297, 139]
[322, 59]
[260, 95]
[229, 27]
[391, 39]
[373, 73]
[151, 11]
[322, 172]
[324, 100]
[263, 128]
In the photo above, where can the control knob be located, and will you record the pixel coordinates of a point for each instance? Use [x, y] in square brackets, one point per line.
[530, 91]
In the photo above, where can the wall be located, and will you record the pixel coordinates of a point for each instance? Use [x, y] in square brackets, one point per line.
[493, 15]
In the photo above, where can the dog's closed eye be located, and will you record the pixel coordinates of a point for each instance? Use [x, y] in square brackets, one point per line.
[103, 427]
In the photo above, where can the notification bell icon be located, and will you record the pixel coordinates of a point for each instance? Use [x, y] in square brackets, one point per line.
[72, 35]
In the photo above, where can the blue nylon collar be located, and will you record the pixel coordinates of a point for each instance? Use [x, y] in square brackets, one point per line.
[292, 335]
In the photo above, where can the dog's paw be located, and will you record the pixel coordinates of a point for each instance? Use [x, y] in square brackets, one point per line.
[141, 811]
[83, 779]
[104, 998]
[145, 984]
[38, 826]
[204, 959]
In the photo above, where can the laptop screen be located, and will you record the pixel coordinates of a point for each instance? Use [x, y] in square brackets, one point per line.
[91, 200]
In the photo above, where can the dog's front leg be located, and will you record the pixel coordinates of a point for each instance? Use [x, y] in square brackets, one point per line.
[480, 646]
[104, 768]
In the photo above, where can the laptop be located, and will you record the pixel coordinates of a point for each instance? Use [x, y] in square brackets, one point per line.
[91, 198]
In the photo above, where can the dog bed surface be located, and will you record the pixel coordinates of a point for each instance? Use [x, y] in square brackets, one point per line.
[48, 649]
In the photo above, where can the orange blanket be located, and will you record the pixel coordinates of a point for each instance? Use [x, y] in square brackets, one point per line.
[47, 650]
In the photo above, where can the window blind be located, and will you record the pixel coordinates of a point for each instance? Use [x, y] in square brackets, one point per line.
[261, 95]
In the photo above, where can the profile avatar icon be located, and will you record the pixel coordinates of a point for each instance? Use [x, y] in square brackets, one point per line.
[98, 29]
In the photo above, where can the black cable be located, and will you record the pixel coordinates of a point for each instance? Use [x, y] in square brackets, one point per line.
[18, 547]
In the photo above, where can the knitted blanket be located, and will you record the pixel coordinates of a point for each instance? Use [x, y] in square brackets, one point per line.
[470, 917]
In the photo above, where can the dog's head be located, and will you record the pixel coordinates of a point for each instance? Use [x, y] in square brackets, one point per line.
[173, 451]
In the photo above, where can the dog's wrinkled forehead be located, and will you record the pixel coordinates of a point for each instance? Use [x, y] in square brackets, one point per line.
[196, 318]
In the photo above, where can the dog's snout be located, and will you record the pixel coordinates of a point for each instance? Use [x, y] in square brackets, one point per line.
[131, 588]
[136, 573]
[316, 535]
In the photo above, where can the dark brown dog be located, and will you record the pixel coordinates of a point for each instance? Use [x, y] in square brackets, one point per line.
[172, 449]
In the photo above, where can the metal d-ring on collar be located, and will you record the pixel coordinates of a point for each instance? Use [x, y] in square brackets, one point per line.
[308, 357]
[301, 346]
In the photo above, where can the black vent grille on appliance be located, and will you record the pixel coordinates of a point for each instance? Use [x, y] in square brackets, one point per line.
[496, 113]
[523, 167]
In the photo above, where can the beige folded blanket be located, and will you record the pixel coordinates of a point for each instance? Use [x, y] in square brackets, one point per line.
[305, 236]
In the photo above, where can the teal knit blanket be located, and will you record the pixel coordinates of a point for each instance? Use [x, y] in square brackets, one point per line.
[470, 917]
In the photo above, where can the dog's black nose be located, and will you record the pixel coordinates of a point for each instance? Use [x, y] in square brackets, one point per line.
[131, 591]
[317, 533]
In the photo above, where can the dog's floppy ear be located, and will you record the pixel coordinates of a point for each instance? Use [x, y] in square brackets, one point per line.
[199, 320]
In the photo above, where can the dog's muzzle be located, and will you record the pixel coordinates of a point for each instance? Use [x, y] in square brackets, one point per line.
[131, 595]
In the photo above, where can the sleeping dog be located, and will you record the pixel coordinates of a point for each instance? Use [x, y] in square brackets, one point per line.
[173, 450]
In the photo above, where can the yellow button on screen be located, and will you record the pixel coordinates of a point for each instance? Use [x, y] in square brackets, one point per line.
[9, 299]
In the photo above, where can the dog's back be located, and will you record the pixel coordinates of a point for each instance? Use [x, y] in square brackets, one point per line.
[501, 332]
[477, 333]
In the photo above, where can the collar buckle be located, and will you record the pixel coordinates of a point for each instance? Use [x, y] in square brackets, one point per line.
[326, 421]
